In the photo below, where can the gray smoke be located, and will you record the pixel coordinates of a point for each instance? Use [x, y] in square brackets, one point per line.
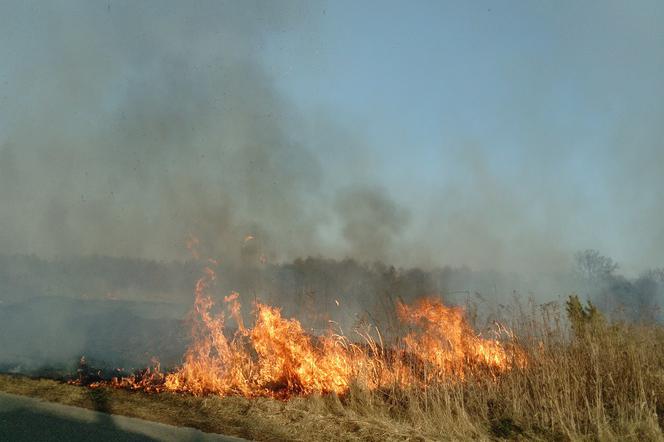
[130, 126]
[370, 221]
[125, 127]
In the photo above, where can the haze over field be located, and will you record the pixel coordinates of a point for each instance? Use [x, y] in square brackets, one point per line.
[430, 135]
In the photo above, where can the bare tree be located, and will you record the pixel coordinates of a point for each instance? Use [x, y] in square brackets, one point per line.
[593, 266]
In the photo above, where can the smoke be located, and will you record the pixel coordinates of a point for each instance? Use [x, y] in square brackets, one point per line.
[370, 222]
[125, 127]
[133, 126]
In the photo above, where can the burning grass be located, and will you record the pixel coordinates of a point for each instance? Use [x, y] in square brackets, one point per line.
[601, 381]
[277, 358]
[547, 377]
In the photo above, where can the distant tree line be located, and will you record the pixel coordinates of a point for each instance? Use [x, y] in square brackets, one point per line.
[314, 286]
[635, 299]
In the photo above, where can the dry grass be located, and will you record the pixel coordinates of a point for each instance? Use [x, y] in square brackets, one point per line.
[592, 381]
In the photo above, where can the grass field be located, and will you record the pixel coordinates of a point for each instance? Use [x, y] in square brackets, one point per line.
[589, 380]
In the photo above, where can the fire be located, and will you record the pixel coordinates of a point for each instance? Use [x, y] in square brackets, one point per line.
[446, 341]
[277, 357]
[274, 357]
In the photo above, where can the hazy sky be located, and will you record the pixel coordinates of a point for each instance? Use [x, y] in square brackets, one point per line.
[498, 134]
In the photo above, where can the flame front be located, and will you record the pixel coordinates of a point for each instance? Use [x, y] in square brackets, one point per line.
[446, 342]
[277, 358]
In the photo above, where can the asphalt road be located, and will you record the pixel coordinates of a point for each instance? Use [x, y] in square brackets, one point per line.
[28, 419]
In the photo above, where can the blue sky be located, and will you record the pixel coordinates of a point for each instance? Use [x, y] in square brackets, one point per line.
[496, 134]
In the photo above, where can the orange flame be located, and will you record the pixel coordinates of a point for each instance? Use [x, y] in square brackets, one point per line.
[276, 357]
[446, 341]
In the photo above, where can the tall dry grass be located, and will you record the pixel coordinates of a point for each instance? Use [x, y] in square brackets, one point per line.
[586, 378]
